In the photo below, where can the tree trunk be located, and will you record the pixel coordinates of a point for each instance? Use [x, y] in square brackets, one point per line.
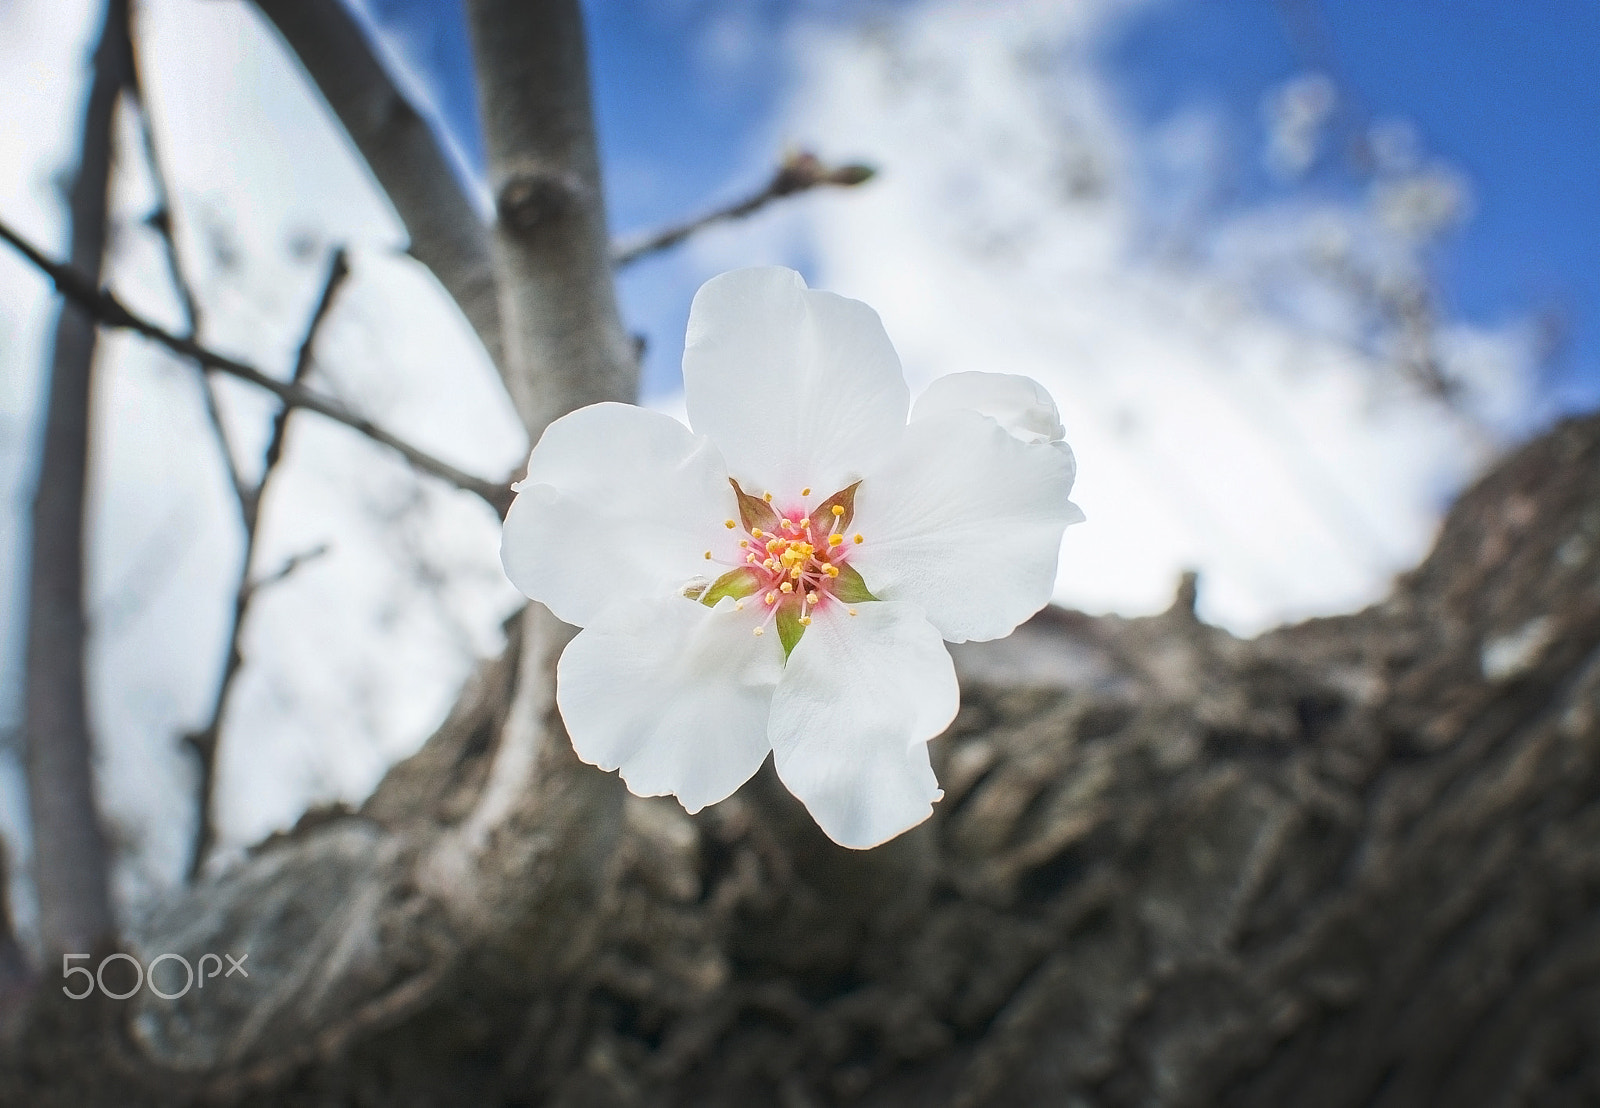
[1350, 862]
[70, 866]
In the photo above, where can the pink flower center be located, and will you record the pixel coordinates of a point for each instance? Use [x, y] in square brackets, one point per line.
[793, 561]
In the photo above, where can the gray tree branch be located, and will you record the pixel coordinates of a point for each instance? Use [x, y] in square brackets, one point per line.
[71, 869]
[205, 740]
[565, 344]
[799, 172]
[447, 235]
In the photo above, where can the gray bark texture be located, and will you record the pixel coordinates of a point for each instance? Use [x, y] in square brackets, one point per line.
[1350, 862]
[565, 346]
[70, 869]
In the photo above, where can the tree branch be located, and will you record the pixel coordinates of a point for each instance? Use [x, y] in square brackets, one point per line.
[565, 344]
[205, 740]
[447, 234]
[799, 172]
[102, 306]
[71, 868]
[162, 222]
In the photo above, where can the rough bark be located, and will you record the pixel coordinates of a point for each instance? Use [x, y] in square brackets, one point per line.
[1350, 862]
[447, 235]
[70, 866]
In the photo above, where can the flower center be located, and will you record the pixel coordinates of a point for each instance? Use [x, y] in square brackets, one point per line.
[794, 561]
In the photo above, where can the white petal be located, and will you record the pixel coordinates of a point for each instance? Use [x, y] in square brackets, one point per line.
[1019, 404]
[859, 700]
[965, 521]
[619, 503]
[673, 693]
[797, 387]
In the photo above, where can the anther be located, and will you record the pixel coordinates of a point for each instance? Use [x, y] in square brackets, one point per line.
[744, 542]
[738, 605]
[856, 540]
[767, 496]
[852, 611]
[771, 598]
[760, 631]
[838, 509]
[805, 492]
[708, 555]
[805, 621]
[728, 523]
[786, 588]
[835, 540]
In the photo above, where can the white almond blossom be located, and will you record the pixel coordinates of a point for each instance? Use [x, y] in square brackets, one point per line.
[779, 579]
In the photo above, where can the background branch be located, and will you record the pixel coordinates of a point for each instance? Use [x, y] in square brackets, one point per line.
[71, 869]
[799, 172]
[205, 740]
[447, 234]
[102, 306]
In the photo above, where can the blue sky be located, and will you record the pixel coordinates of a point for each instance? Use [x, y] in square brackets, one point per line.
[686, 90]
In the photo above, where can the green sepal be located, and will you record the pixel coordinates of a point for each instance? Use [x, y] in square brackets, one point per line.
[737, 583]
[850, 588]
[754, 512]
[789, 627]
[823, 520]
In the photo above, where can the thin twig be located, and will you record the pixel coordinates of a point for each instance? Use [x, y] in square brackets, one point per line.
[290, 565]
[800, 172]
[161, 221]
[111, 312]
[205, 740]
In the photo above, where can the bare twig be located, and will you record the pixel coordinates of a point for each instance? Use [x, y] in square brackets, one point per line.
[111, 312]
[290, 565]
[205, 740]
[799, 172]
[162, 222]
[71, 867]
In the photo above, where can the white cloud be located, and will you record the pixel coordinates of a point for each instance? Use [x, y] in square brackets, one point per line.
[1225, 418]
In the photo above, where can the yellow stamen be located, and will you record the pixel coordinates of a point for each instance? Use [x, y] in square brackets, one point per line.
[795, 573]
[852, 611]
[831, 571]
[759, 631]
[786, 588]
[744, 542]
[767, 496]
[772, 598]
[805, 492]
[756, 531]
[728, 523]
[811, 598]
[738, 605]
[805, 621]
[835, 540]
[838, 509]
[856, 540]
[708, 555]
